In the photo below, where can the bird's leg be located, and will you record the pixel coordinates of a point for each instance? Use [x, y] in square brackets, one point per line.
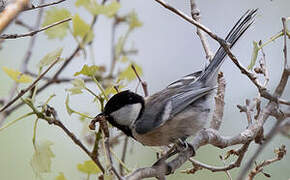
[171, 152]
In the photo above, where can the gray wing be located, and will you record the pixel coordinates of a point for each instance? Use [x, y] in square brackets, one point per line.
[158, 110]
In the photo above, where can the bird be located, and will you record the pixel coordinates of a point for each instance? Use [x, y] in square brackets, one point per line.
[178, 111]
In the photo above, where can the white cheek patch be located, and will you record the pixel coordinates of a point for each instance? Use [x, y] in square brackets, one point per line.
[127, 114]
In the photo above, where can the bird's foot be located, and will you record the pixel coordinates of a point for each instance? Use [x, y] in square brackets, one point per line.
[182, 146]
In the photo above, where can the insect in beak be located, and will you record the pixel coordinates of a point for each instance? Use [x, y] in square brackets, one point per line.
[98, 118]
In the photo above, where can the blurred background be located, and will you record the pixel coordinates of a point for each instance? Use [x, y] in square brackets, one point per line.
[168, 48]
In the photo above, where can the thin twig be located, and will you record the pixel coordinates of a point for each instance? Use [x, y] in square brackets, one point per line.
[21, 23]
[25, 61]
[113, 48]
[269, 137]
[32, 33]
[190, 20]
[195, 13]
[44, 5]
[71, 135]
[227, 172]
[280, 153]
[105, 129]
[241, 153]
[54, 79]
[32, 41]
[22, 92]
[124, 152]
[143, 83]
[285, 42]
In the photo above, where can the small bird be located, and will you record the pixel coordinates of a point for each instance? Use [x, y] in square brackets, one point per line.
[178, 111]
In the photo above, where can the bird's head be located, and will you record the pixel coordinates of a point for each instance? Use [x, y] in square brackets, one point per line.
[123, 109]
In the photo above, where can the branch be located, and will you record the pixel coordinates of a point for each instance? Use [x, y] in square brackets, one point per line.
[25, 61]
[190, 20]
[22, 92]
[104, 126]
[143, 83]
[44, 5]
[241, 153]
[280, 153]
[220, 40]
[57, 122]
[54, 78]
[219, 103]
[195, 13]
[10, 12]
[21, 23]
[124, 151]
[32, 33]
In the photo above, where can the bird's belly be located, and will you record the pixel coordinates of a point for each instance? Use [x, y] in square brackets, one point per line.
[185, 124]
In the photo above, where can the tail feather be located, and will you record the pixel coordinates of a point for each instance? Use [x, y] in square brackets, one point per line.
[233, 36]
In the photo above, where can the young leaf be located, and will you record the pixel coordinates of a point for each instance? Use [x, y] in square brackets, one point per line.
[68, 109]
[133, 20]
[75, 90]
[89, 167]
[82, 29]
[129, 74]
[124, 59]
[41, 159]
[50, 57]
[79, 85]
[89, 5]
[88, 70]
[54, 15]
[254, 55]
[111, 9]
[17, 76]
[60, 176]
[95, 8]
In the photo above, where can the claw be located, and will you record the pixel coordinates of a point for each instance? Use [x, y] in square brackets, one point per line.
[182, 146]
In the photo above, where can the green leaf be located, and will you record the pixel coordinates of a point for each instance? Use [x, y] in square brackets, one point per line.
[133, 20]
[124, 59]
[254, 55]
[89, 167]
[60, 176]
[69, 110]
[41, 159]
[54, 15]
[50, 58]
[111, 9]
[75, 90]
[88, 70]
[129, 74]
[17, 76]
[79, 85]
[82, 29]
[95, 8]
[89, 5]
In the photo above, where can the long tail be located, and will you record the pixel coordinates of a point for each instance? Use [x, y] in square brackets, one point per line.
[210, 73]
